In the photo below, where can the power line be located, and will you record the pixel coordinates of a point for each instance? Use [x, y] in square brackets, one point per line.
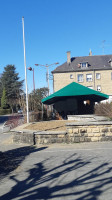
[47, 73]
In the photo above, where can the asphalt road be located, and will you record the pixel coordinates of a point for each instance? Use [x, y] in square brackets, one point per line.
[63, 172]
[3, 119]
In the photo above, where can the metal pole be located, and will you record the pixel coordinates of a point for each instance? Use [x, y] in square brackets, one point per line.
[94, 79]
[27, 108]
[48, 79]
[33, 81]
[48, 89]
[47, 73]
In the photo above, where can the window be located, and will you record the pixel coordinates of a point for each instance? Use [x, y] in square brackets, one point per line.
[98, 75]
[99, 88]
[90, 87]
[71, 76]
[80, 77]
[88, 77]
[84, 64]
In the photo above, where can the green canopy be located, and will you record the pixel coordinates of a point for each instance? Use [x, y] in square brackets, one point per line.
[75, 90]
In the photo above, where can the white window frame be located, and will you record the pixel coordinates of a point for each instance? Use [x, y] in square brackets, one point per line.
[99, 88]
[90, 87]
[89, 78]
[84, 65]
[80, 80]
[98, 76]
[71, 76]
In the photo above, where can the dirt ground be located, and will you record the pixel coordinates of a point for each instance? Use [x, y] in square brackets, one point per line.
[54, 125]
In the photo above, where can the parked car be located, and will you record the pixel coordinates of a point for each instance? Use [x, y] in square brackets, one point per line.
[20, 111]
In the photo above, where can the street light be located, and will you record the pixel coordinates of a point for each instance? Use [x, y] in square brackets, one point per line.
[30, 69]
[47, 67]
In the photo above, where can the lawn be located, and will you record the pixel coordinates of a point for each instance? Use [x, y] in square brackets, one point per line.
[54, 125]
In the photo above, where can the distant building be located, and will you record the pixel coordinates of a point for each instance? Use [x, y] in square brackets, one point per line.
[94, 72]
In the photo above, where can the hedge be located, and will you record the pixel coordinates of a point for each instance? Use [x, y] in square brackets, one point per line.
[4, 111]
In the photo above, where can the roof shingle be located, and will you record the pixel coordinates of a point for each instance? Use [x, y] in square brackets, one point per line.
[100, 62]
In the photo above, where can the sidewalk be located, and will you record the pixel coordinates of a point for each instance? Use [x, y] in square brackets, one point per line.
[21, 127]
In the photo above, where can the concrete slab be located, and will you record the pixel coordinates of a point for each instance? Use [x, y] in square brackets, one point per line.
[87, 123]
[87, 118]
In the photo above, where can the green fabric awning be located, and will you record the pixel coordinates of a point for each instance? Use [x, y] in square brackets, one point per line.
[75, 90]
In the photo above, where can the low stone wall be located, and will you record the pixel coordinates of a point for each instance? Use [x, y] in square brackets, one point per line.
[89, 131]
[44, 137]
[24, 137]
[76, 132]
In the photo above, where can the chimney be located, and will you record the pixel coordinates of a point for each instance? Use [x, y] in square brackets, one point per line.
[90, 53]
[68, 57]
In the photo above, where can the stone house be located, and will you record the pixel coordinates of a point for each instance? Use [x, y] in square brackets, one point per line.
[94, 72]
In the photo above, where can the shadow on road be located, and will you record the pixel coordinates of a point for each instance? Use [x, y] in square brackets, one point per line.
[43, 183]
[11, 159]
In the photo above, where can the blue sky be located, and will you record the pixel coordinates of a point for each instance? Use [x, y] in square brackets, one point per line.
[52, 27]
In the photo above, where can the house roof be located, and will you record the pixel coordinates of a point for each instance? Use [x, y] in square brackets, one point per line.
[100, 62]
[75, 90]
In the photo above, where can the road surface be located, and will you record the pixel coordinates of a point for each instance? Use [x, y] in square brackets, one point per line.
[63, 172]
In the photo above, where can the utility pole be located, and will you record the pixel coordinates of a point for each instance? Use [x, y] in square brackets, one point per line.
[48, 80]
[47, 74]
[47, 67]
[27, 107]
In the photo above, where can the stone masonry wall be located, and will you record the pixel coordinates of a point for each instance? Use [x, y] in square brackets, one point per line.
[50, 137]
[89, 132]
[43, 137]
[76, 132]
[23, 137]
[104, 81]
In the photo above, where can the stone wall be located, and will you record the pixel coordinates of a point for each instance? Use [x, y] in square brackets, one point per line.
[63, 79]
[46, 137]
[43, 137]
[24, 137]
[76, 132]
[89, 131]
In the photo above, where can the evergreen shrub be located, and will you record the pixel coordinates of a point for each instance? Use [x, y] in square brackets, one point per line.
[4, 111]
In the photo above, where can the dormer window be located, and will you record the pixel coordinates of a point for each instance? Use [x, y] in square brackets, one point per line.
[84, 65]
[110, 62]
